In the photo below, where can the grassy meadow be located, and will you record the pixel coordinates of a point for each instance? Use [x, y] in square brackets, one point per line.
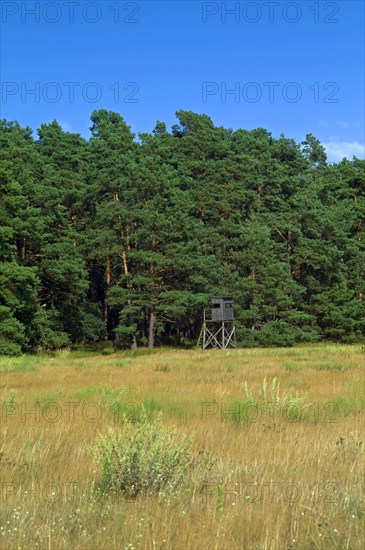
[277, 454]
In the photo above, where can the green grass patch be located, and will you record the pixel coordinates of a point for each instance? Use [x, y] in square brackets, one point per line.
[339, 367]
[103, 392]
[120, 362]
[162, 367]
[172, 409]
[89, 392]
[293, 367]
[51, 397]
[112, 400]
[140, 352]
[346, 406]
[89, 350]
[23, 363]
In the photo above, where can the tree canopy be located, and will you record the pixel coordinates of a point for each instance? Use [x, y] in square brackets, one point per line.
[127, 239]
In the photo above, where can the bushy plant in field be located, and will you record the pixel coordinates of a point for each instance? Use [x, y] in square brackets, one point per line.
[142, 457]
[272, 394]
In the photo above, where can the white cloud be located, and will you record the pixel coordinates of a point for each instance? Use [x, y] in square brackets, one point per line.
[66, 126]
[342, 123]
[337, 150]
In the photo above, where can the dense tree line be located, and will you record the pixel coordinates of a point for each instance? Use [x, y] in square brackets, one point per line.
[126, 239]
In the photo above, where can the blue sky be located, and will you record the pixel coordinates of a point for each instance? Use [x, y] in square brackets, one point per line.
[290, 67]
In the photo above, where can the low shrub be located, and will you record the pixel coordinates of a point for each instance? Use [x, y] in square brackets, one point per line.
[142, 457]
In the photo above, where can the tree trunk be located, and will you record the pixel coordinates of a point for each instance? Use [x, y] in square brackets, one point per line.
[23, 249]
[130, 288]
[151, 329]
[123, 255]
[107, 278]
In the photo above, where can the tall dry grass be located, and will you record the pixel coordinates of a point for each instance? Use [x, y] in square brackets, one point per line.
[264, 476]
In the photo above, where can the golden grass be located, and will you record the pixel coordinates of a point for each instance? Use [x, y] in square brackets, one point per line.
[264, 478]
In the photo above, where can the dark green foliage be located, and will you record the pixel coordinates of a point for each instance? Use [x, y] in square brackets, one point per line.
[11, 333]
[126, 240]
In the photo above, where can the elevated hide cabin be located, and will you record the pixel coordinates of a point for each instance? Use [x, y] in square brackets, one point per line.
[218, 330]
[222, 309]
